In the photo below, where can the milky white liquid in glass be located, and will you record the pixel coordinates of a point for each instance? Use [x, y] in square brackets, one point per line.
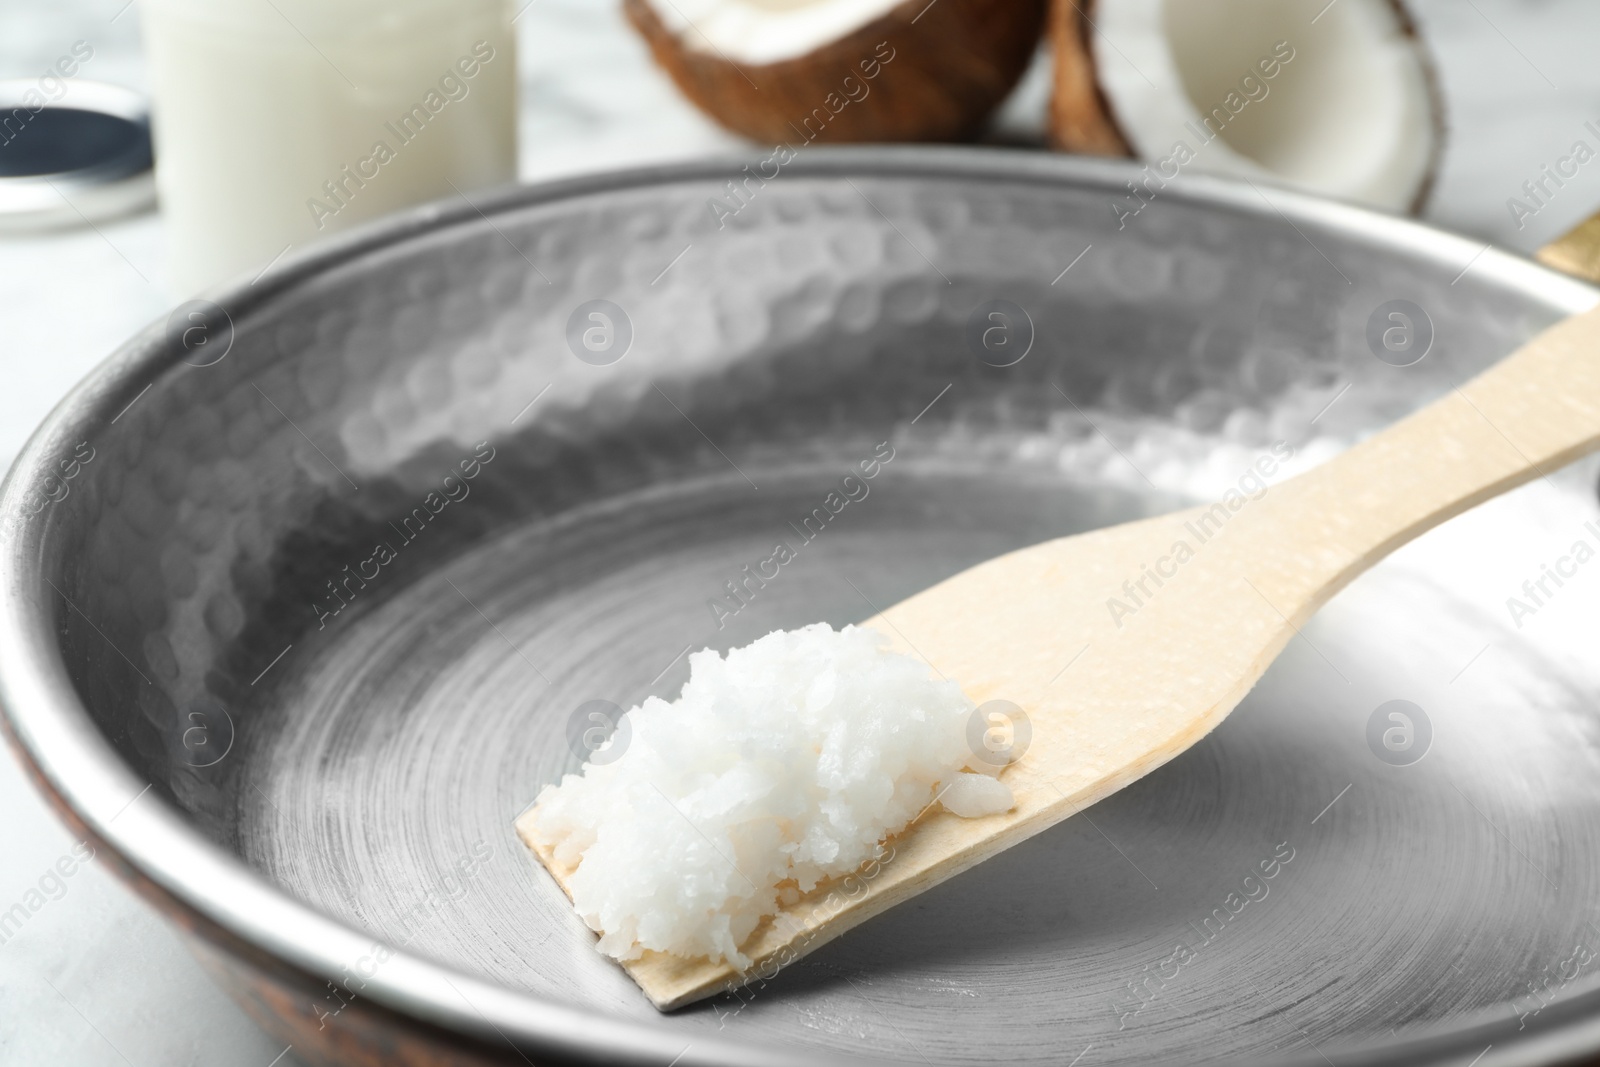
[278, 122]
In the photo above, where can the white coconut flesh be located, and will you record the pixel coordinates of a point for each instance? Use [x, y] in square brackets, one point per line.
[766, 31]
[1347, 111]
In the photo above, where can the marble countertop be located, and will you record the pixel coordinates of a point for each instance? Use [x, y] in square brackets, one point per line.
[94, 976]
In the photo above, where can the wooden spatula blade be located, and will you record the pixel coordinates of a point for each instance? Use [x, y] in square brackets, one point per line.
[1086, 742]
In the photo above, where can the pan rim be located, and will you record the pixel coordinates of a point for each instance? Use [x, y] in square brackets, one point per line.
[101, 795]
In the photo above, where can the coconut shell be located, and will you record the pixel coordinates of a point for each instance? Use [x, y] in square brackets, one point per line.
[1082, 119]
[921, 72]
[1441, 127]
[1080, 116]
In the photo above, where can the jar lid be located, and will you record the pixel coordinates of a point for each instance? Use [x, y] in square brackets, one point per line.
[79, 158]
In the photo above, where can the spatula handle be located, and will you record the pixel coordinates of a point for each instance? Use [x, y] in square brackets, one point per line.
[1525, 417]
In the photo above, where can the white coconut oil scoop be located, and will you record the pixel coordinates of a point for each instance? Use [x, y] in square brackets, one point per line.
[1111, 691]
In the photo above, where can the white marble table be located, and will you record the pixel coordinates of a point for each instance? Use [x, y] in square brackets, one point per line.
[94, 977]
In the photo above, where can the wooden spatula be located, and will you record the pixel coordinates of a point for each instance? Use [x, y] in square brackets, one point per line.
[1127, 645]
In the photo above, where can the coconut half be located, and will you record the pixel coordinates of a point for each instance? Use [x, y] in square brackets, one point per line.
[1338, 98]
[796, 71]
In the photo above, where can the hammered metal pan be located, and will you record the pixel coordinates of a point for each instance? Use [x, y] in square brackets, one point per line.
[309, 588]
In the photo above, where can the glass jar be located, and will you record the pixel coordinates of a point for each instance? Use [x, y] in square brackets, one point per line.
[279, 121]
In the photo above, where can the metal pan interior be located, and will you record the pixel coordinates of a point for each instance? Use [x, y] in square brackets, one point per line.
[392, 548]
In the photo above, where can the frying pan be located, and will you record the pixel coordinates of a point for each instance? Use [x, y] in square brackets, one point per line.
[309, 588]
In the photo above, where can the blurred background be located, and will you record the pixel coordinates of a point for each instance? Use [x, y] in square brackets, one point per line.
[93, 977]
